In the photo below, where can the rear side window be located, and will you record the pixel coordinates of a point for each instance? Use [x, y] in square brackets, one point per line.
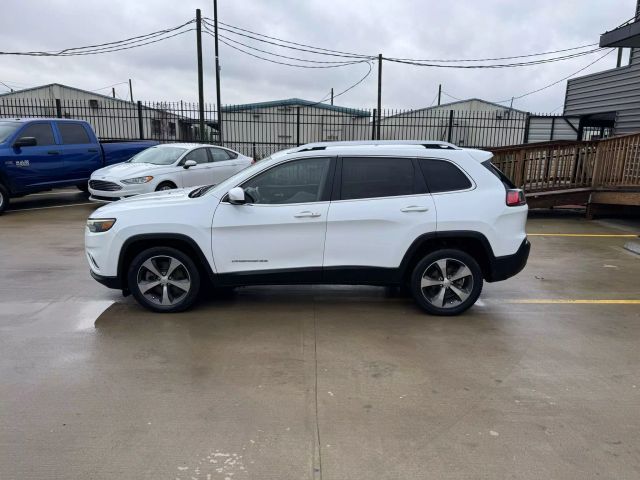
[443, 176]
[73, 134]
[508, 184]
[42, 132]
[219, 155]
[370, 177]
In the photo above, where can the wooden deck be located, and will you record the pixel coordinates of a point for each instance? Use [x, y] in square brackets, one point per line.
[602, 174]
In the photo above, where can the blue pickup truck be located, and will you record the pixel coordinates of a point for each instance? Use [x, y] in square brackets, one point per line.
[39, 154]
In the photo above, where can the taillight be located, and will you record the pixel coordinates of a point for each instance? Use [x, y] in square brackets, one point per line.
[515, 198]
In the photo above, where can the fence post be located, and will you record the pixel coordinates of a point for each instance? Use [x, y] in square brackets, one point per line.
[373, 125]
[298, 126]
[450, 132]
[58, 108]
[527, 124]
[140, 122]
[254, 151]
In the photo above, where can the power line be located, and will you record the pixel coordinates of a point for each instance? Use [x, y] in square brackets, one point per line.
[109, 86]
[451, 96]
[352, 86]
[125, 44]
[557, 81]
[498, 65]
[329, 51]
[342, 62]
[498, 58]
[284, 63]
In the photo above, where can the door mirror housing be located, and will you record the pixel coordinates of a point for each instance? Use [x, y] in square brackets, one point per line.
[25, 142]
[188, 164]
[236, 196]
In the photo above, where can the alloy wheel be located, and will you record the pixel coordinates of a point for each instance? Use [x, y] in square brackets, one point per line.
[163, 280]
[446, 283]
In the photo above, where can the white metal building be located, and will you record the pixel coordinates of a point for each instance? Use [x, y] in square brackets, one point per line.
[110, 117]
[467, 122]
[293, 122]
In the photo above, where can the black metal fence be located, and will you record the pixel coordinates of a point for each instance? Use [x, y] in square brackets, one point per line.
[261, 129]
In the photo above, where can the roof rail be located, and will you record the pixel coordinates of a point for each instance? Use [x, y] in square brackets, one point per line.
[430, 144]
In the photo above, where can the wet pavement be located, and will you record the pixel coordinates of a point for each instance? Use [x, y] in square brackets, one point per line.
[320, 382]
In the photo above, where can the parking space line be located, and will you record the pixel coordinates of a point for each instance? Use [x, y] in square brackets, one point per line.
[620, 235]
[551, 301]
[52, 206]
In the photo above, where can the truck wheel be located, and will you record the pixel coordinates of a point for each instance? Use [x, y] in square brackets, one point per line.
[164, 279]
[4, 198]
[165, 186]
[446, 282]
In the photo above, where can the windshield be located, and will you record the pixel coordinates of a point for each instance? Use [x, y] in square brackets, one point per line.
[160, 155]
[7, 129]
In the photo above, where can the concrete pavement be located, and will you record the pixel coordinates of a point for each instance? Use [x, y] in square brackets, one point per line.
[320, 382]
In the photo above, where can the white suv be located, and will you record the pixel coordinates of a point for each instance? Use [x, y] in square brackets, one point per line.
[427, 215]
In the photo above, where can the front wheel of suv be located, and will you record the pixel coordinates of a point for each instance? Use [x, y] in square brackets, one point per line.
[164, 279]
[446, 282]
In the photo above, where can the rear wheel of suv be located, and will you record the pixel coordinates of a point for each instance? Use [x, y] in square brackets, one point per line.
[446, 282]
[164, 279]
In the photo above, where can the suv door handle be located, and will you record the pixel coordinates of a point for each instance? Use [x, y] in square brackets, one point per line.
[92, 150]
[53, 152]
[415, 208]
[306, 214]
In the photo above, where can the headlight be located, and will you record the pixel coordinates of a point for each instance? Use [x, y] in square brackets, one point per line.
[98, 225]
[138, 180]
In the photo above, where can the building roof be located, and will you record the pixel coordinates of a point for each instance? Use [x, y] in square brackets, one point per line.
[457, 102]
[291, 102]
[40, 87]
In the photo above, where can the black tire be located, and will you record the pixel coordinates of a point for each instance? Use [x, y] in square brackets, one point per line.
[165, 186]
[4, 198]
[160, 258]
[83, 187]
[431, 294]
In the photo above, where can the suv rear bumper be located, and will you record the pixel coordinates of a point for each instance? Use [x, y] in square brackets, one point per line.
[509, 265]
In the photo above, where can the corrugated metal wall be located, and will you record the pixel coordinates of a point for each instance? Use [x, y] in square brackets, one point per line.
[549, 128]
[615, 90]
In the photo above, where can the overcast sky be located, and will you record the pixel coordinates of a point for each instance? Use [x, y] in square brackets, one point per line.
[166, 71]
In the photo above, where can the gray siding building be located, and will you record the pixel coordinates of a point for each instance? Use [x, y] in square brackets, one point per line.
[610, 100]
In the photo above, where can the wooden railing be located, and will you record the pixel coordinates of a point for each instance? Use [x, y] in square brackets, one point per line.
[609, 163]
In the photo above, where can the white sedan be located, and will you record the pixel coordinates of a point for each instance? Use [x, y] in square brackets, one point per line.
[164, 167]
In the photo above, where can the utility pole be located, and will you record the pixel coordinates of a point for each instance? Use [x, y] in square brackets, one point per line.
[113, 92]
[130, 90]
[439, 93]
[215, 32]
[379, 95]
[331, 95]
[200, 77]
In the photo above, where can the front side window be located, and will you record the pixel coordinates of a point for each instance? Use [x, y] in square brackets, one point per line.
[372, 177]
[158, 155]
[443, 176]
[42, 132]
[73, 134]
[7, 129]
[297, 181]
[199, 155]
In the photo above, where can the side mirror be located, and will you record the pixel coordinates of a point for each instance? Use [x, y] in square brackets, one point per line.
[236, 196]
[188, 164]
[25, 142]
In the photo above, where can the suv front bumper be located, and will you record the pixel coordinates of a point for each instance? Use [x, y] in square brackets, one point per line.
[509, 265]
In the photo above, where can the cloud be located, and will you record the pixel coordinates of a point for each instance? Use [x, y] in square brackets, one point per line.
[166, 71]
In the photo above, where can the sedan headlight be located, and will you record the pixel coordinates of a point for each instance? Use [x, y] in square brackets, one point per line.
[99, 225]
[138, 180]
